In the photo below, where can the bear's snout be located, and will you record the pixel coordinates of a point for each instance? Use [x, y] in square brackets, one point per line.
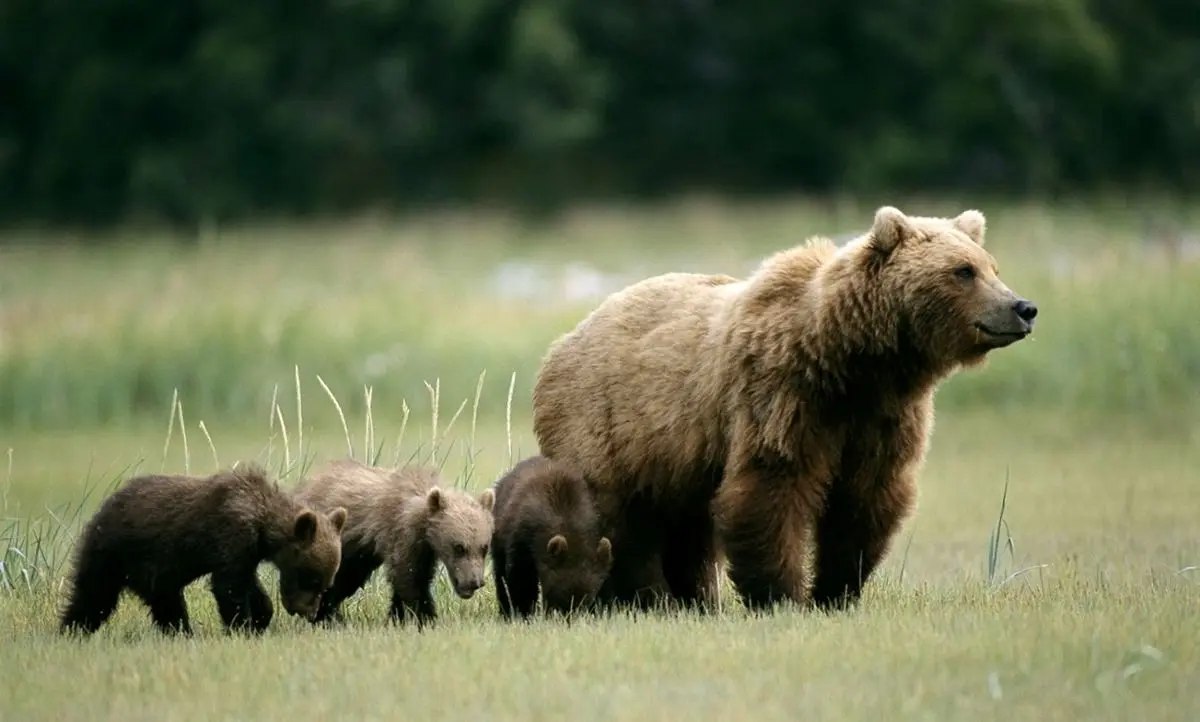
[1025, 310]
[467, 587]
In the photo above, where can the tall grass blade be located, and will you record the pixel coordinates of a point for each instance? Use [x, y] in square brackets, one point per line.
[211, 446]
[287, 451]
[435, 399]
[512, 384]
[187, 459]
[994, 543]
[8, 480]
[341, 416]
[271, 426]
[368, 427]
[299, 414]
[170, 429]
[404, 411]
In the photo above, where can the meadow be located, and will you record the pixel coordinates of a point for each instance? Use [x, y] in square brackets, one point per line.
[1052, 570]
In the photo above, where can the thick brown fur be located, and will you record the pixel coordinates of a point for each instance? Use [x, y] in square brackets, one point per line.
[785, 415]
[402, 518]
[157, 534]
[547, 536]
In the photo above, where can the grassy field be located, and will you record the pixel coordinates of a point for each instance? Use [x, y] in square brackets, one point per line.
[1052, 570]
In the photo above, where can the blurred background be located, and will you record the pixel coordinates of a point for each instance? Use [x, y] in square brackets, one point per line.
[210, 110]
[206, 203]
[292, 230]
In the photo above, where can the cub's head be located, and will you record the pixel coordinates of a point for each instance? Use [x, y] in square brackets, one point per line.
[460, 531]
[571, 572]
[943, 287]
[309, 560]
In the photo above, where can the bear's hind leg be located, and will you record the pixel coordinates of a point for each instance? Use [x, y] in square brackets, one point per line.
[95, 592]
[765, 521]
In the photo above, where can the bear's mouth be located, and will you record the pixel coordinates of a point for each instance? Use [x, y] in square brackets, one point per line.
[998, 339]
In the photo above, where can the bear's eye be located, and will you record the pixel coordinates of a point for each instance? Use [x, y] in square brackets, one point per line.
[483, 550]
[965, 273]
[459, 550]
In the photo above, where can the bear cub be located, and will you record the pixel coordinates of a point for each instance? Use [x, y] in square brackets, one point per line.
[157, 534]
[404, 519]
[548, 535]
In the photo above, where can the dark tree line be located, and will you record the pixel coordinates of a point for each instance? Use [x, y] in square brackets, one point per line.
[218, 108]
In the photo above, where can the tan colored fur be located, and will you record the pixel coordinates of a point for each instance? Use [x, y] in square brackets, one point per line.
[798, 401]
[404, 519]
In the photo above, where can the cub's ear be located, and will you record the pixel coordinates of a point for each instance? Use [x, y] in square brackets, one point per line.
[971, 223]
[557, 546]
[889, 229]
[337, 517]
[304, 528]
[487, 500]
[604, 552]
[434, 500]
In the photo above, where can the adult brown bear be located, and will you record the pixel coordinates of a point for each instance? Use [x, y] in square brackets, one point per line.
[788, 413]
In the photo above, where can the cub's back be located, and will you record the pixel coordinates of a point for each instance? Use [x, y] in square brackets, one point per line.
[542, 494]
[181, 523]
[369, 493]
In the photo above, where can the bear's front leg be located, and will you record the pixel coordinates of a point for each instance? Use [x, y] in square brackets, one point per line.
[636, 580]
[516, 581]
[352, 575]
[169, 612]
[421, 607]
[765, 519]
[241, 601]
[412, 595]
[689, 559]
[853, 534]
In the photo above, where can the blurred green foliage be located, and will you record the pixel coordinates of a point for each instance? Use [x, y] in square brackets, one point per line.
[97, 335]
[211, 109]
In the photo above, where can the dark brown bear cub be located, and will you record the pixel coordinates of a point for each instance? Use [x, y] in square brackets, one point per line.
[547, 534]
[157, 534]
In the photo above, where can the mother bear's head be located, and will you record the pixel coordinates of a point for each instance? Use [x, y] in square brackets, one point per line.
[942, 288]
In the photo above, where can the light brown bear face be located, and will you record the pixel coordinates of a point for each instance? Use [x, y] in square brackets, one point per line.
[459, 531]
[945, 287]
[572, 574]
[310, 560]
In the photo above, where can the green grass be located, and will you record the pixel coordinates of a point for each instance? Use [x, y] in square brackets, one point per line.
[1077, 600]
[93, 335]
[1089, 612]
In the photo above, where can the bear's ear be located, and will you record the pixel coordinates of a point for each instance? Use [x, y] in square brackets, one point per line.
[487, 500]
[889, 229]
[434, 500]
[604, 552]
[971, 223]
[337, 517]
[304, 528]
[557, 546]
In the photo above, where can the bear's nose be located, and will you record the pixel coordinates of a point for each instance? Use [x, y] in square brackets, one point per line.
[1026, 310]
